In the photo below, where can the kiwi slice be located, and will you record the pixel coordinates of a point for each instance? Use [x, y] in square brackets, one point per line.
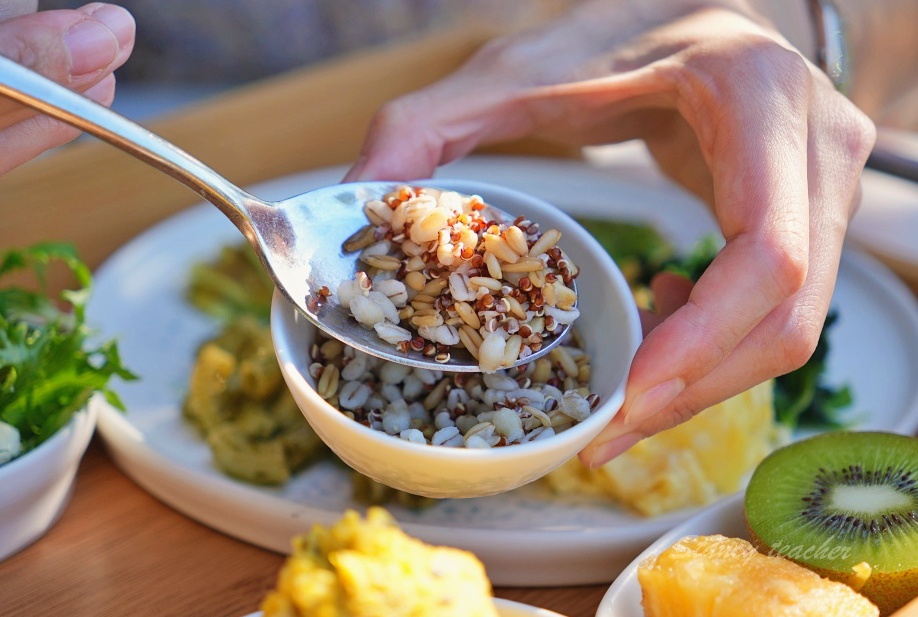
[838, 500]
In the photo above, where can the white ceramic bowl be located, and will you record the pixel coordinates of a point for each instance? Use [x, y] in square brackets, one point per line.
[610, 325]
[35, 487]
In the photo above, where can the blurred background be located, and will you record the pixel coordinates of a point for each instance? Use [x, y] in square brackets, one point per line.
[187, 49]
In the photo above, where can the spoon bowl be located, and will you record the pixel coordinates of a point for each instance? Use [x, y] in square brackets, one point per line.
[298, 240]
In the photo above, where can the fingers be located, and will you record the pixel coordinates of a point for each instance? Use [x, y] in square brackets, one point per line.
[760, 189]
[99, 43]
[782, 341]
[410, 137]
[396, 148]
[774, 154]
[839, 139]
[75, 48]
[78, 49]
[38, 133]
[479, 104]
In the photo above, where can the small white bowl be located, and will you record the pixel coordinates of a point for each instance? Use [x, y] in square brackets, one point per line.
[609, 324]
[35, 487]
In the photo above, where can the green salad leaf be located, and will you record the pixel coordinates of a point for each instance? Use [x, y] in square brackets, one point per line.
[638, 249]
[49, 368]
[801, 397]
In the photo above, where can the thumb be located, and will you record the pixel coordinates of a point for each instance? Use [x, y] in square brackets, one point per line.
[77, 48]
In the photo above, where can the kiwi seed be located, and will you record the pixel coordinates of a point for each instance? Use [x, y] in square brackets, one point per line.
[840, 500]
[818, 502]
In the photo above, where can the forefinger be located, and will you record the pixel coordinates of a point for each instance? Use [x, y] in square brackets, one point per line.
[411, 136]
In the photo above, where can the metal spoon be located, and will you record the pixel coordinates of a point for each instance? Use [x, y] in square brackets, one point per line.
[299, 240]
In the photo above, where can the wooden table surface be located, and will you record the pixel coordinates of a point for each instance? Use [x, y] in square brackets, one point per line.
[116, 550]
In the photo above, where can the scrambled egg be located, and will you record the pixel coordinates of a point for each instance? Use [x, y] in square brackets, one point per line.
[370, 568]
[688, 465]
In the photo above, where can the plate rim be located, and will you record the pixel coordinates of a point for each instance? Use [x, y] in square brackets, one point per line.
[501, 603]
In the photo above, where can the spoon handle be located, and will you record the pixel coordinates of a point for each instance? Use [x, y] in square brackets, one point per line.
[33, 90]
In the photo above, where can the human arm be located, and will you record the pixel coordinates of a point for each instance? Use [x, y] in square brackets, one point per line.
[77, 48]
[730, 109]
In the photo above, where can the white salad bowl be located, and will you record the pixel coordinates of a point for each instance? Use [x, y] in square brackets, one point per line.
[36, 487]
[609, 324]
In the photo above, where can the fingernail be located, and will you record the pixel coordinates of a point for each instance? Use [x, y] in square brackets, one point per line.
[605, 452]
[94, 43]
[652, 400]
[117, 19]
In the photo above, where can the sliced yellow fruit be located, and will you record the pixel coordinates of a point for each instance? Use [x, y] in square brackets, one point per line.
[716, 576]
[688, 465]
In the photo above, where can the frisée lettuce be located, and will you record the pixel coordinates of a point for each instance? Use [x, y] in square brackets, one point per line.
[50, 365]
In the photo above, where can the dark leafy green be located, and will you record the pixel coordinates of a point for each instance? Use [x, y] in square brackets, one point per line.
[49, 368]
[694, 264]
[638, 249]
[802, 397]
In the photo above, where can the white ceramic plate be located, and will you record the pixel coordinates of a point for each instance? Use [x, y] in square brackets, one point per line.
[505, 608]
[887, 223]
[525, 537]
[623, 599]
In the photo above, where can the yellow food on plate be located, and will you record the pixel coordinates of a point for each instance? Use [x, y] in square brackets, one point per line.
[371, 568]
[238, 401]
[688, 465]
[716, 576]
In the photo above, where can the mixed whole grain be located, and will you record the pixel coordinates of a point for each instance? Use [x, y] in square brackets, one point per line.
[473, 410]
[439, 275]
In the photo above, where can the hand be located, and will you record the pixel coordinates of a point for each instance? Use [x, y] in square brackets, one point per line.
[730, 110]
[77, 48]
